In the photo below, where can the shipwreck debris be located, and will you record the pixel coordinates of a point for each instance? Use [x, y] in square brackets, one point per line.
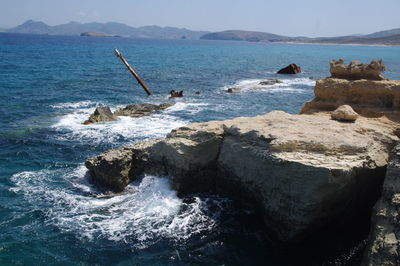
[140, 81]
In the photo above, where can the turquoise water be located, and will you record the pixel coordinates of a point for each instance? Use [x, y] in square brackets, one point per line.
[50, 214]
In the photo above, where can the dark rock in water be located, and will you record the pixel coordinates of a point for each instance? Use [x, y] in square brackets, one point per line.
[270, 82]
[139, 110]
[290, 69]
[233, 90]
[384, 239]
[101, 114]
[112, 168]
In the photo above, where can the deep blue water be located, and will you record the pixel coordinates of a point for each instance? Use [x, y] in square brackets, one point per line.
[51, 215]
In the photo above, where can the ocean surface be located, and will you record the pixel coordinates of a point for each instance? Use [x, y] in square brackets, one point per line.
[51, 215]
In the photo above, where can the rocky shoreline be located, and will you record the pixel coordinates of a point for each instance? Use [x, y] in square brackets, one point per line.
[300, 172]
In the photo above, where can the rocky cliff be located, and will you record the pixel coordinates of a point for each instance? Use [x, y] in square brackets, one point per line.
[384, 239]
[302, 173]
[299, 171]
[359, 85]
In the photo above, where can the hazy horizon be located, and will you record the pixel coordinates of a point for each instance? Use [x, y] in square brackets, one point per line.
[311, 19]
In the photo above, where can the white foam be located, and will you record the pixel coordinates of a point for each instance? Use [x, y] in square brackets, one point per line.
[157, 125]
[145, 213]
[70, 105]
[287, 85]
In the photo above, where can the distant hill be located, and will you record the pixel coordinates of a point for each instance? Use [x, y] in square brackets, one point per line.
[241, 35]
[388, 37]
[382, 34]
[110, 28]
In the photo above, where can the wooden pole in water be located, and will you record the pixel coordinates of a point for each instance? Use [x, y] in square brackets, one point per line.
[133, 72]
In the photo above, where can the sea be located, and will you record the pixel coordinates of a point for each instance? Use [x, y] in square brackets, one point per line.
[50, 214]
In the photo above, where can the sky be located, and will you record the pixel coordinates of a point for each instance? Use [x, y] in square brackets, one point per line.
[310, 18]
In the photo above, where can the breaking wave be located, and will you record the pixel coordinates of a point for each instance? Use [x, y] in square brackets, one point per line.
[285, 85]
[146, 212]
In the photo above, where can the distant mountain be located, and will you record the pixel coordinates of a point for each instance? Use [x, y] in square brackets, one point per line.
[241, 35]
[110, 28]
[388, 37]
[382, 34]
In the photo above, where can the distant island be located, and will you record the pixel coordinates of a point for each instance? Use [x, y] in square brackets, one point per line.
[114, 29]
[107, 29]
[388, 37]
[97, 34]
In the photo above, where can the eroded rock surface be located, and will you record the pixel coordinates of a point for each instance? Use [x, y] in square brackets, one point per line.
[356, 70]
[101, 114]
[104, 114]
[299, 171]
[384, 238]
[139, 110]
[369, 98]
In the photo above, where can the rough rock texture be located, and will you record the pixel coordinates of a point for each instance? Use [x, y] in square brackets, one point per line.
[104, 114]
[369, 98]
[138, 110]
[290, 69]
[112, 168]
[344, 113]
[384, 238]
[300, 171]
[101, 114]
[356, 70]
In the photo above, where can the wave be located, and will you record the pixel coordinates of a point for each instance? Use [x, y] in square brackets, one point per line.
[286, 85]
[156, 125]
[146, 212]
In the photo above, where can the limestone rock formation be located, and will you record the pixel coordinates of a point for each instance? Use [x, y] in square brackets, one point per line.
[139, 110]
[112, 168]
[290, 69]
[301, 172]
[384, 238]
[344, 113]
[369, 98]
[356, 70]
[101, 114]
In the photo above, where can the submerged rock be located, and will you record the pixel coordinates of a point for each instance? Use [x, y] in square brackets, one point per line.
[101, 114]
[356, 70]
[290, 69]
[270, 82]
[301, 172]
[104, 114]
[139, 110]
[384, 238]
[233, 90]
[344, 113]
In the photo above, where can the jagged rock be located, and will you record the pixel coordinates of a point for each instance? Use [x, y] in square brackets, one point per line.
[301, 172]
[101, 114]
[270, 82]
[104, 114]
[139, 110]
[344, 113]
[112, 168]
[290, 69]
[370, 98]
[356, 70]
[233, 90]
[384, 239]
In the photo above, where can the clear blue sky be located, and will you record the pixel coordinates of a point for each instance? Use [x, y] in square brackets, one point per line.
[286, 17]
